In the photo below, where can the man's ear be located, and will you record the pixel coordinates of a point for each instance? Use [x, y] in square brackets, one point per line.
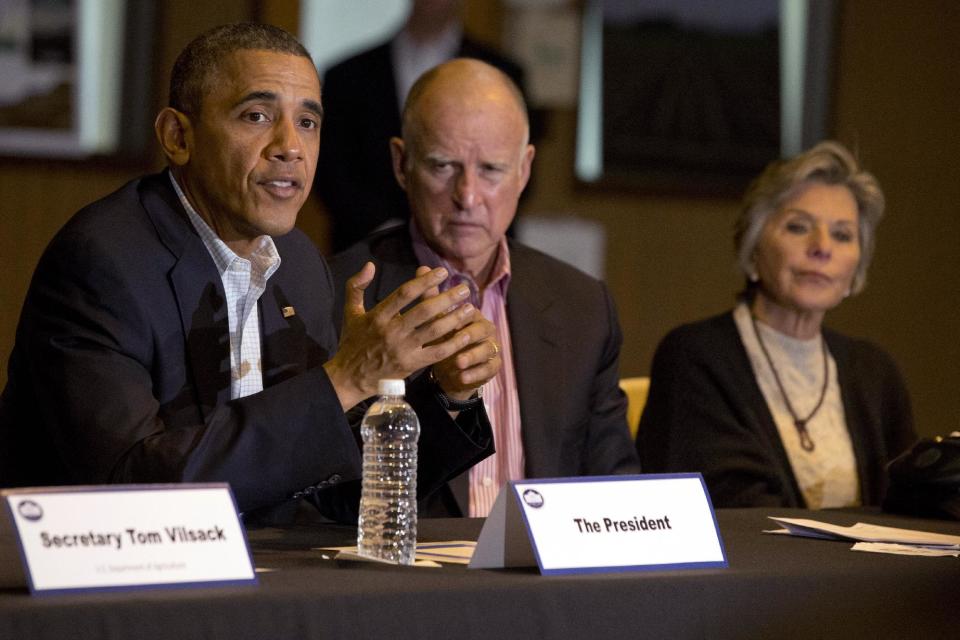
[398, 154]
[525, 163]
[174, 133]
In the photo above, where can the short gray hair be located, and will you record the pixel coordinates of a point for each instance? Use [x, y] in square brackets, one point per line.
[828, 163]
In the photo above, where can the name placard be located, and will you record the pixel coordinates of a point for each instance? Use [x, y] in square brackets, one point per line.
[608, 523]
[122, 537]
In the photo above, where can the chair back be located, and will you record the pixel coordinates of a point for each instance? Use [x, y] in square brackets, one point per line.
[636, 390]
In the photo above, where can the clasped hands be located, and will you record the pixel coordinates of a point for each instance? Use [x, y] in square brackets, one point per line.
[442, 331]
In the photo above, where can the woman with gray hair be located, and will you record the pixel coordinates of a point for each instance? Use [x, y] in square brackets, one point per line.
[772, 407]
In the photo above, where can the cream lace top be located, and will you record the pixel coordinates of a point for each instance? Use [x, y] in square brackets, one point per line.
[827, 475]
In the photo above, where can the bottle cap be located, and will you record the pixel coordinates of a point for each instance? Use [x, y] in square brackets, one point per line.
[391, 387]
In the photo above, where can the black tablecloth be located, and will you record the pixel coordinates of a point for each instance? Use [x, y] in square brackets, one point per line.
[775, 587]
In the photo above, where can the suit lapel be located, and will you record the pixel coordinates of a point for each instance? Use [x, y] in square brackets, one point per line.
[532, 310]
[199, 293]
[390, 279]
[283, 345]
[396, 263]
[203, 313]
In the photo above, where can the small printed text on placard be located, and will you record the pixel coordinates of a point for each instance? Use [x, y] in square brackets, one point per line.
[632, 525]
[134, 537]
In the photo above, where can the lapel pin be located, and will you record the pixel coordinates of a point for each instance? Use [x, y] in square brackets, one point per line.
[288, 312]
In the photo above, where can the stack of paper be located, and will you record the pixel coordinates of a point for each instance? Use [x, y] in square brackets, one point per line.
[874, 538]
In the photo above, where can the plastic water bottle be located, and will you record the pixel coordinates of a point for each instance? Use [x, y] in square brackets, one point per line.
[388, 501]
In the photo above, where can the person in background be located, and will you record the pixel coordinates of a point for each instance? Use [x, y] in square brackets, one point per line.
[363, 97]
[180, 329]
[771, 406]
[555, 405]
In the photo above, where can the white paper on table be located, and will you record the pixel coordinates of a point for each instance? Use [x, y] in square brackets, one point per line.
[429, 554]
[903, 549]
[863, 532]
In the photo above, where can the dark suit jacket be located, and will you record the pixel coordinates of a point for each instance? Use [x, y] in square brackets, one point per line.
[354, 173]
[705, 412]
[120, 371]
[566, 347]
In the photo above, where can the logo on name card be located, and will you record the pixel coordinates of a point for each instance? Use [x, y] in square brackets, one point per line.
[30, 510]
[533, 498]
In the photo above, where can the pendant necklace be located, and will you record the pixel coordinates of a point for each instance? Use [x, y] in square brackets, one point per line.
[800, 423]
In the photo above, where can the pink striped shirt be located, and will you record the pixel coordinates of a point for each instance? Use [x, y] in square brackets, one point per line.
[499, 394]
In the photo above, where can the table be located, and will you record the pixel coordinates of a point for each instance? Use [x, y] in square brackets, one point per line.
[775, 587]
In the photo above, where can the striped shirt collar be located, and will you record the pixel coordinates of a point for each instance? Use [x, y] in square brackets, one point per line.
[499, 276]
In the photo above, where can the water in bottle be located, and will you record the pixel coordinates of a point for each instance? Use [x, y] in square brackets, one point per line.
[388, 503]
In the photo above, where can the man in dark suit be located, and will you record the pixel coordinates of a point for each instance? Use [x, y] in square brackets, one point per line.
[180, 329]
[363, 96]
[555, 405]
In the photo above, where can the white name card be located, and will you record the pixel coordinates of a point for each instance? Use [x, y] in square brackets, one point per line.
[608, 523]
[122, 537]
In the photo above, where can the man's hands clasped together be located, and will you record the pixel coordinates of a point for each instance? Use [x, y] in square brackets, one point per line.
[442, 330]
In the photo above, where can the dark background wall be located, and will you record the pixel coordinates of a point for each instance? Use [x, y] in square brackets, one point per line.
[669, 259]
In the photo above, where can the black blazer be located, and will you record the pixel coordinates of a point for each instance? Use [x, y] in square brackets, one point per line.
[360, 114]
[566, 347]
[705, 412]
[120, 371]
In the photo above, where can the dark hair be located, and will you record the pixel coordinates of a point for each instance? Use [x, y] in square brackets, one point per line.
[200, 60]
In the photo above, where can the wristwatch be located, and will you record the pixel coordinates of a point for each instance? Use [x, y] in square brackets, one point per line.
[451, 404]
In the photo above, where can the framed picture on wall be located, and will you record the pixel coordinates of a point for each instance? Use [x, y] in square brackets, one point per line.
[76, 77]
[697, 96]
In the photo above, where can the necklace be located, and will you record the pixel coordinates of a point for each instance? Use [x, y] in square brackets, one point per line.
[800, 423]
